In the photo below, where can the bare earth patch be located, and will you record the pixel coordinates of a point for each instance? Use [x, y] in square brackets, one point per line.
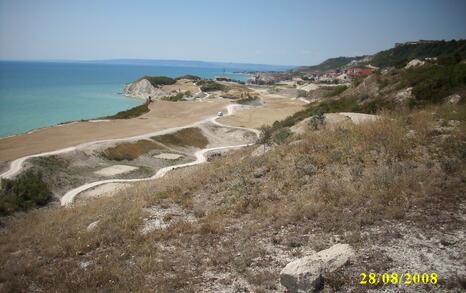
[187, 137]
[168, 156]
[115, 170]
[104, 190]
[161, 217]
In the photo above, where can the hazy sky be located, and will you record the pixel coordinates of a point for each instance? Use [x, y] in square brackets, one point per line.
[289, 32]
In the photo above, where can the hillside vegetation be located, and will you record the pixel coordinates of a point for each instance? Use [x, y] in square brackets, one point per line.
[159, 80]
[377, 186]
[401, 55]
[131, 113]
[210, 86]
[392, 187]
[22, 193]
[445, 51]
[329, 64]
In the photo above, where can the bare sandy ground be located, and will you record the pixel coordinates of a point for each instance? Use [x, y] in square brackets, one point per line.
[163, 115]
[115, 170]
[181, 85]
[108, 189]
[168, 156]
[336, 119]
[275, 108]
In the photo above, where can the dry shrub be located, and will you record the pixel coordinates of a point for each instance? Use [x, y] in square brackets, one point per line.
[129, 150]
[186, 137]
[340, 180]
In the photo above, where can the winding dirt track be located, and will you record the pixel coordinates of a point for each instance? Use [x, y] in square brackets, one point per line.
[16, 166]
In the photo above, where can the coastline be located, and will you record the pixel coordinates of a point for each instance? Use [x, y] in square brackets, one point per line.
[96, 119]
[160, 116]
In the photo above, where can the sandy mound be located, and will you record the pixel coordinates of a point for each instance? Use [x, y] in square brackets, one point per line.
[336, 119]
[168, 156]
[108, 189]
[358, 118]
[115, 170]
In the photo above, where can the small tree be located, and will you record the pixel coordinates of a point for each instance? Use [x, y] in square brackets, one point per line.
[265, 137]
[317, 119]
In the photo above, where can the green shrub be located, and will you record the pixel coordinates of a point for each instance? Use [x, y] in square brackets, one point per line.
[281, 135]
[189, 76]
[159, 80]
[25, 192]
[431, 84]
[399, 56]
[317, 120]
[210, 86]
[131, 113]
[250, 100]
[265, 136]
[175, 98]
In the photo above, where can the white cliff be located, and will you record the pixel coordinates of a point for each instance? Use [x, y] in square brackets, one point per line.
[142, 88]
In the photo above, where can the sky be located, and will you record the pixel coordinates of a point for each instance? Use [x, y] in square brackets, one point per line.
[282, 32]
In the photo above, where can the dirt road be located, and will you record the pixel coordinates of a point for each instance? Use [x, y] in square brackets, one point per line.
[163, 115]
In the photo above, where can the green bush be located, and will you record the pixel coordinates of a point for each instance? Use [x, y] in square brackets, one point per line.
[281, 135]
[431, 84]
[317, 120]
[189, 76]
[399, 56]
[159, 80]
[265, 136]
[175, 98]
[210, 86]
[25, 192]
[131, 113]
[249, 100]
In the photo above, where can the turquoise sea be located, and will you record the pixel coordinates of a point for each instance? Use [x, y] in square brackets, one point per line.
[40, 94]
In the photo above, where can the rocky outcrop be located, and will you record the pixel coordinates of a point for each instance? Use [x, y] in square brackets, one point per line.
[454, 99]
[143, 89]
[306, 274]
[414, 63]
[404, 95]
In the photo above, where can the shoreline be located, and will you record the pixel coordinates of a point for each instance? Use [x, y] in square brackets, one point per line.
[160, 116]
[59, 124]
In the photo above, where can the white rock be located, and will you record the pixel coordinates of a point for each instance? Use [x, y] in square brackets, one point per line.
[404, 95]
[143, 89]
[305, 274]
[85, 264]
[454, 99]
[414, 63]
[92, 226]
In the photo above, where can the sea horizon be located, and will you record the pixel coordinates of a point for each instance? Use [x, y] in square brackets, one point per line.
[38, 94]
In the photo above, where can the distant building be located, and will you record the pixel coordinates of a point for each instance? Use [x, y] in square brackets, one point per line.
[415, 43]
[358, 71]
[343, 77]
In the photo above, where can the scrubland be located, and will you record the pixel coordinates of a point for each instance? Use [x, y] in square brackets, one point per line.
[394, 189]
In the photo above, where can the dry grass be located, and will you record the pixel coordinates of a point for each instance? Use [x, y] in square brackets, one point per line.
[129, 150]
[187, 137]
[333, 181]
